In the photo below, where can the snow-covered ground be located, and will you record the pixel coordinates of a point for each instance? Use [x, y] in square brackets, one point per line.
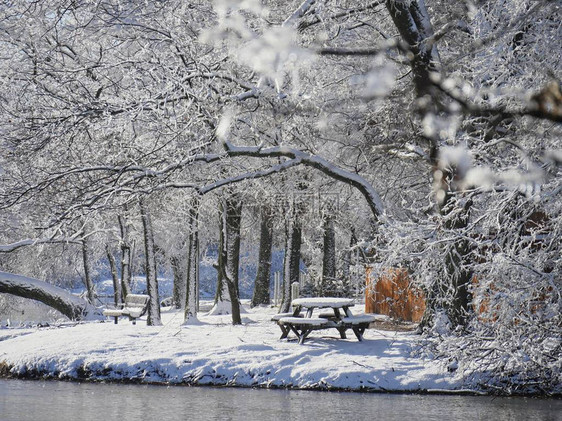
[215, 352]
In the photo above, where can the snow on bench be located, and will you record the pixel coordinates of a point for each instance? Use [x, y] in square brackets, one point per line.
[304, 321]
[135, 306]
[276, 317]
[359, 319]
[357, 323]
[324, 302]
[302, 326]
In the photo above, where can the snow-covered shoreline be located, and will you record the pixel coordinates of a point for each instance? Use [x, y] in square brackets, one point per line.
[213, 352]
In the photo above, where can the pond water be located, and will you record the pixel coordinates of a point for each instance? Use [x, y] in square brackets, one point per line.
[22, 400]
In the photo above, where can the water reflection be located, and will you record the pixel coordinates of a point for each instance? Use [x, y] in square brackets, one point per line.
[51, 400]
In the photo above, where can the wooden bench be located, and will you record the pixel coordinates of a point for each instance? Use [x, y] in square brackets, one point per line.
[278, 316]
[357, 323]
[284, 331]
[302, 326]
[134, 307]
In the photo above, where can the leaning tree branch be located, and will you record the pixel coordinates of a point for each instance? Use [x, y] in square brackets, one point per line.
[365, 188]
[295, 157]
[71, 306]
[127, 179]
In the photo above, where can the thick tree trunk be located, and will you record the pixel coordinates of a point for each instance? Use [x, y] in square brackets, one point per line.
[126, 257]
[451, 293]
[192, 263]
[116, 284]
[86, 259]
[153, 317]
[291, 264]
[180, 287]
[329, 287]
[460, 279]
[261, 284]
[413, 22]
[232, 237]
[456, 261]
[71, 306]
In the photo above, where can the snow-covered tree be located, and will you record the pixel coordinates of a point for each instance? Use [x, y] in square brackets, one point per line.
[439, 122]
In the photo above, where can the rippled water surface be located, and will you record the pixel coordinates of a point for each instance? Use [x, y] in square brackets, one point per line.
[51, 400]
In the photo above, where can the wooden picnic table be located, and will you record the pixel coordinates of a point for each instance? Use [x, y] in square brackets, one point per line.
[337, 315]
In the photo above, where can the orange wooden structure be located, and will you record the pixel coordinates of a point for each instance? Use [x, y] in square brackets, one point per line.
[391, 294]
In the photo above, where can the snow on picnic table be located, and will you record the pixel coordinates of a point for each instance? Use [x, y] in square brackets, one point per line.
[323, 302]
[216, 352]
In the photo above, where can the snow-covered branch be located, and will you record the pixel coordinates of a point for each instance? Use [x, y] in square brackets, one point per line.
[250, 175]
[71, 306]
[112, 180]
[299, 13]
[372, 51]
[365, 188]
[7, 248]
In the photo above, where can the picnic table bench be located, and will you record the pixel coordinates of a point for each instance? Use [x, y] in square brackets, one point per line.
[134, 307]
[337, 316]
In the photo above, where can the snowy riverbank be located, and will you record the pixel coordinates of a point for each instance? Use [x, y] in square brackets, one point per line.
[214, 352]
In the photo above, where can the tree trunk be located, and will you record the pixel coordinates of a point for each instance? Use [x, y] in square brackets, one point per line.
[412, 21]
[71, 306]
[456, 262]
[232, 236]
[261, 284]
[291, 264]
[451, 293]
[227, 300]
[114, 277]
[180, 286]
[192, 263]
[348, 258]
[87, 272]
[126, 257]
[153, 318]
[222, 297]
[329, 287]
